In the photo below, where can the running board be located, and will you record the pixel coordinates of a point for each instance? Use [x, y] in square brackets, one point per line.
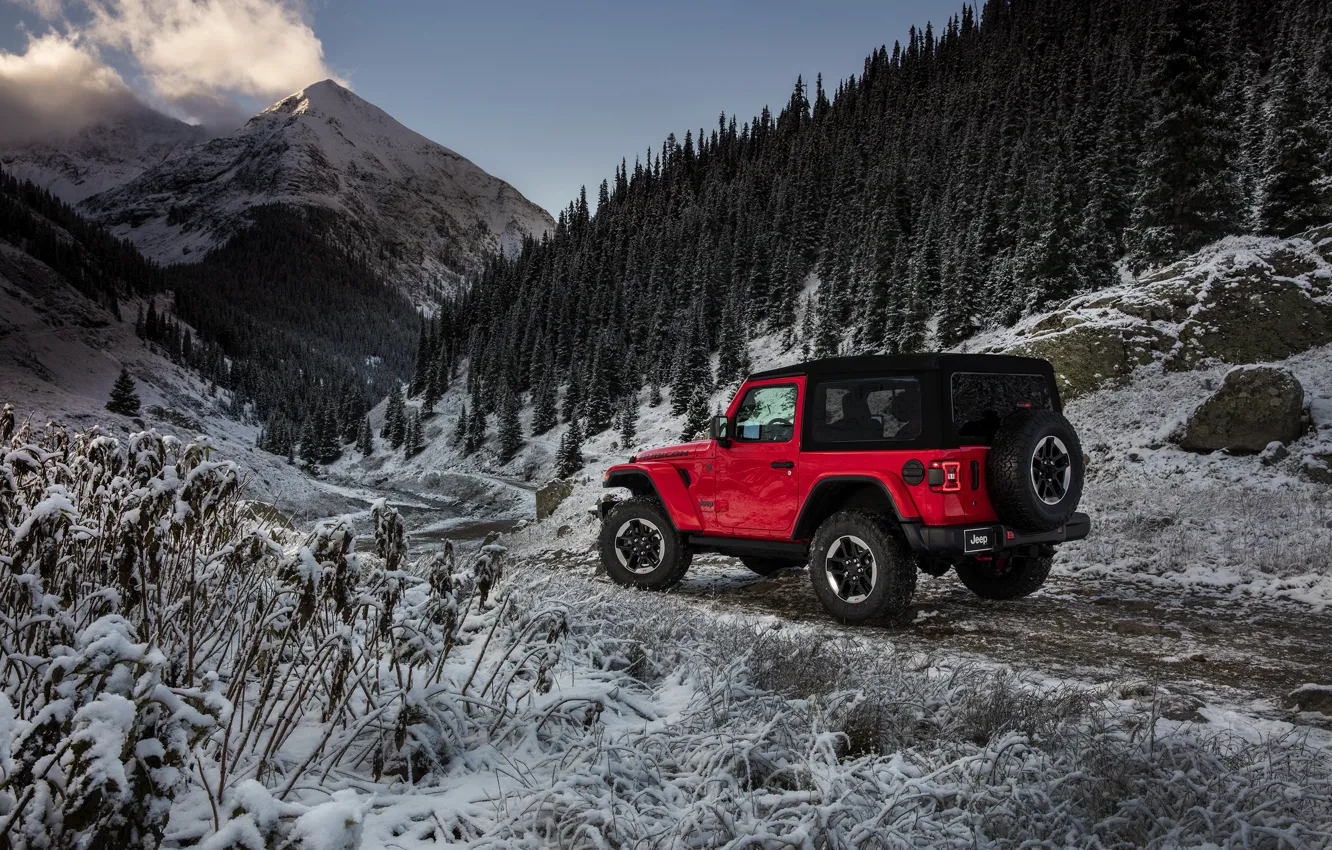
[738, 546]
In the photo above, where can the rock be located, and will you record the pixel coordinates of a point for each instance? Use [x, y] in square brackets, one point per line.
[1318, 468]
[1254, 406]
[549, 497]
[564, 531]
[1274, 453]
[1311, 698]
[1252, 319]
[1087, 357]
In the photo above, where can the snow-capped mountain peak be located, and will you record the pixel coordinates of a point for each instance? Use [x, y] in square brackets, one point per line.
[428, 211]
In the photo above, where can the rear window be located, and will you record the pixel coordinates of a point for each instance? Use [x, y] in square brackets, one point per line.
[867, 409]
[981, 400]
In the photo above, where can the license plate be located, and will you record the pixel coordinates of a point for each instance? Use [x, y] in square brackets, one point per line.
[978, 540]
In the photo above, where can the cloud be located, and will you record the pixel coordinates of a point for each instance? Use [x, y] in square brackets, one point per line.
[207, 61]
[201, 50]
[55, 88]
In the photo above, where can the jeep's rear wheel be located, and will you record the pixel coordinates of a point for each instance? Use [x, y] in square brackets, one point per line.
[640, 546]
[1034, 471]
[765, 566]
[861, 571]
[1006, 576]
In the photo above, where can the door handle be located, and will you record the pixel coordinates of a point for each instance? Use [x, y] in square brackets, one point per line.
[783, 464]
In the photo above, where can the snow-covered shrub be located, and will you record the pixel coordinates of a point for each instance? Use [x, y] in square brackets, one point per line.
[162, 645]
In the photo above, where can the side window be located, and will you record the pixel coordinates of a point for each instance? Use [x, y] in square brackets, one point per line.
[766, 415]
[868, 409]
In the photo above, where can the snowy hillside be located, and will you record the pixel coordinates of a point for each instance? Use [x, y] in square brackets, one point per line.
[427, 211]
[103, 156]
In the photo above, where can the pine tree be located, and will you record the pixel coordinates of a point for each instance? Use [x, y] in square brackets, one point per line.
[476, 426]
[1294, 191]
[412, 441]
[124, 397]
[460, 429]
[310, 442]
[1188, 192]
[543, 407]
[569, 456]
[510, 429]
[629, 421]
[365, 440]
[394, 413]
[597, 406]
[696, 420]
[430, 392]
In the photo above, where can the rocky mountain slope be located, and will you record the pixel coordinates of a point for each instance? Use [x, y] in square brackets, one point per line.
[426, 212]
[102, 156]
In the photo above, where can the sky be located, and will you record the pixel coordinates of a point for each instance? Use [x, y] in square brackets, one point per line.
[546, 95]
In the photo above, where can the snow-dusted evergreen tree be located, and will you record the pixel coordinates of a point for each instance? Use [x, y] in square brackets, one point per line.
[311, 441]
[430, 392]
[569, 456]
[696, 419]
[1188, 190]
[460, 429]
[1293, 191]
[413, 438]
[124, 396]
[597, 406]
[543, 407]
[510, 428]
[395, 418]
[629, 421]
[476, 425]
[365, 439]
[654, 394]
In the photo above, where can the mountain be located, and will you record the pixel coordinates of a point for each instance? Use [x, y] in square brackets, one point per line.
[425, 213]
[104, 155]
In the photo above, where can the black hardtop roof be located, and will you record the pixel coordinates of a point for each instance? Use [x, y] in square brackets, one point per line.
[929, 362]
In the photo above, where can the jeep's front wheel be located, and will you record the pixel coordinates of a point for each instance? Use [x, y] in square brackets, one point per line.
[861, 571]
[1006, 576]
[640, 546]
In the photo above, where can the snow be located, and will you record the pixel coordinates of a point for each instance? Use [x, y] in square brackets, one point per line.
[102, 156]
[326, 147]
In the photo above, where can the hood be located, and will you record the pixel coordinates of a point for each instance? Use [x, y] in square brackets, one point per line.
[694, 449]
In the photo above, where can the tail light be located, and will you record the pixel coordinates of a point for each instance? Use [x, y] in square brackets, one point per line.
[945, 476]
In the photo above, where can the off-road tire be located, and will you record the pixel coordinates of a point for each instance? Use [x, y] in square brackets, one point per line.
[1020, 576]
[1009, 470]
[674, 562]
[894, 583]
[765, 566]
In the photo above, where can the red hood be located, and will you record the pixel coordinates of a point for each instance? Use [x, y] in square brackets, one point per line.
[700, 447]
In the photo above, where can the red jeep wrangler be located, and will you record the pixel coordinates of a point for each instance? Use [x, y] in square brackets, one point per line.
[868, 468]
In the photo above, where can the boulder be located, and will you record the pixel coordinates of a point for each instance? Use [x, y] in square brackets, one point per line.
[1254, 406]
[549, 497]
[1251, 319]
[1087, 356]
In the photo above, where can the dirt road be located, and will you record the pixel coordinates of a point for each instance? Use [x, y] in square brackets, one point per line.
[1197, 649]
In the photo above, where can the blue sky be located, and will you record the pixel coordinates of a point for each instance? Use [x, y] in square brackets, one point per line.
[551, 95]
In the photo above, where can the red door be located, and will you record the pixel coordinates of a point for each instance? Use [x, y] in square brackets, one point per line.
[757, 475]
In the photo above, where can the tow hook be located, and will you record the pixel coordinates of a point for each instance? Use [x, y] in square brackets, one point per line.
[603, 507]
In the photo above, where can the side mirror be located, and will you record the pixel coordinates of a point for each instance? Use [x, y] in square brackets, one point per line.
[719, 430]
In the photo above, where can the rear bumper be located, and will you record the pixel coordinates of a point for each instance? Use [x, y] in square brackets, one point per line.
[962, 540]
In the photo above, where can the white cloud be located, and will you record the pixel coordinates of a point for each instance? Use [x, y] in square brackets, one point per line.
[55, 88]
[200, 49]
[196, 58]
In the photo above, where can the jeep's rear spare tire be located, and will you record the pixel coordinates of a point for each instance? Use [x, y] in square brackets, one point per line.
[1034, 471]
